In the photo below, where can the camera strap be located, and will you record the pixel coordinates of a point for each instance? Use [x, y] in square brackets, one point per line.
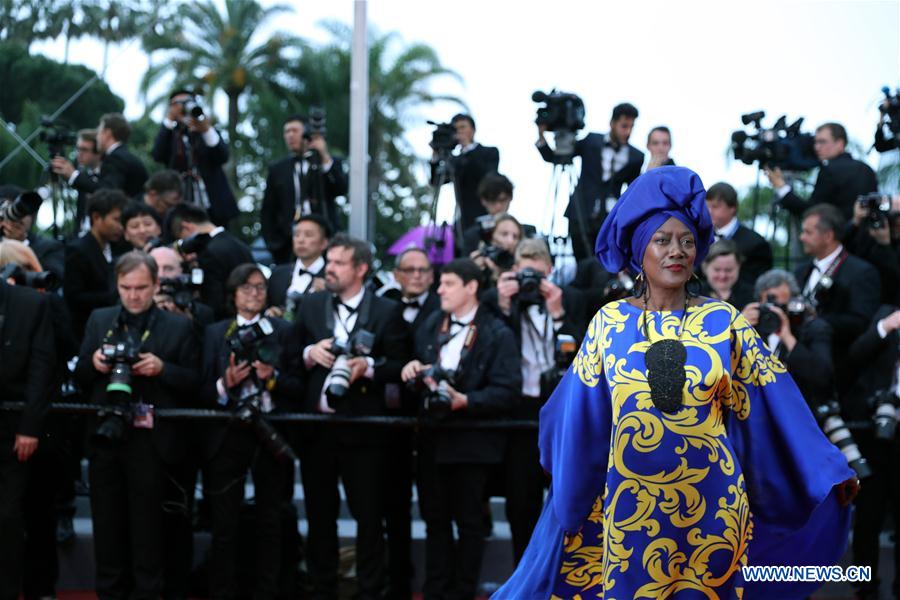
[827, 279]
[123, 325]
[537, 336]
[444, 338]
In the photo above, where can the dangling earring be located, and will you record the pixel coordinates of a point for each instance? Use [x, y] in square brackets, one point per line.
[693, 286]
[639, 285]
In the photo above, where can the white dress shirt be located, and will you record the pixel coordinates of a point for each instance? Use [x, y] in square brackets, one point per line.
[538, 347]
[301, 282]
[451, 352]
[410, 312]
[728, 230]
[819, 268]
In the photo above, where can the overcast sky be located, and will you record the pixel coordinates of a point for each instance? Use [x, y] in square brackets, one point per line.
[693, 66]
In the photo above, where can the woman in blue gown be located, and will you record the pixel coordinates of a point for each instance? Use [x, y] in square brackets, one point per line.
[679, 448]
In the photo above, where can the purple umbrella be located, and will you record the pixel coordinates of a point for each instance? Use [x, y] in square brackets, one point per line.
[437, 240]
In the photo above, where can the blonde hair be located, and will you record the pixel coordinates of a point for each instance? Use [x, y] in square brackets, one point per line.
[533, 249]
[15, 252]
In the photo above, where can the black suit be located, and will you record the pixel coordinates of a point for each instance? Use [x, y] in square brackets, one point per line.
[231, 449]
[455, 464]
[810, 362]
[886, 259]
[279, 203]
[169, 149]
[756, 253]
[468, 169]
[127, 480]
[847, 307]
[875, 360]
[840, 181]
[90, 176]
[587, 206]
[223, 253]
[120, 170]
[523, 476]
[90, 281]
[50, 252]
[357, 455]
[26, 370]
[280, 281]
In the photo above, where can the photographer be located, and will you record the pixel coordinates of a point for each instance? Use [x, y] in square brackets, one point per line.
[841, 177]
[51, 253]
[119, 168]
[659, 144]
[875, 356]
[189, 144]
[797, 337]
[722, 202]
[843, 289]
[162, 192]
[89, 283]
[261, 371]
[498, 254]
[87, 159]
[306, 181]
[354, 345]
[608, 162]
[134, 359]
[538, 312]
[141, 226]
[875, 237]
[467, 169]
[467, 361]
[176, 291]
[26, 369]
[217, 251]
[290, 282]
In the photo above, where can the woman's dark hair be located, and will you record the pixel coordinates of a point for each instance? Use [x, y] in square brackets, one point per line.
[138, 209]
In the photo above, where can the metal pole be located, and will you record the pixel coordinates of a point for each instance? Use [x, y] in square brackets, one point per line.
[359, 123]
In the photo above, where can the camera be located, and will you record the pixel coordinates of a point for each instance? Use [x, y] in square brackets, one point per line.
[486, 225]
[56, 137]
[193, 244]
[886, 404]
[564, 354]
[878, 209]
[443, 138]
[828, 415]
[249, 414]
[315, 125]
[563, 114]
[529, 286]
[782, 146]
[890, 108]
[43, 280]
[24, 205]
[192, 108]
[619, 287]
[769, 322]
[116, 419]
[500, 257]
[254, 342]
[359, 344]
[436, 400]
[181, 289]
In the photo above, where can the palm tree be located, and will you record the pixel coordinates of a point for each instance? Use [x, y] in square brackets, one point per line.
[217, 51]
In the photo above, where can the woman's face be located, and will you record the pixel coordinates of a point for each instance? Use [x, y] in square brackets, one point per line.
[669, 258]
[506, 236]
[722, 272]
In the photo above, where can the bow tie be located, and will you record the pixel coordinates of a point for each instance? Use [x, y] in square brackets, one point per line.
[455, 323]
[302, 272]
[411, 303]
[338, 303]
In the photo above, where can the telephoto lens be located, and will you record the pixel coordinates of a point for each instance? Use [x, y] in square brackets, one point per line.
[340, 377]
[885, 416]
[829, 417]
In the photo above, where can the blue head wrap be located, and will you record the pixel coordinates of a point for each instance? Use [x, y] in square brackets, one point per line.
[653, 198]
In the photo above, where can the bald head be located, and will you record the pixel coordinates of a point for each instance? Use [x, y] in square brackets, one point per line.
[168, 261]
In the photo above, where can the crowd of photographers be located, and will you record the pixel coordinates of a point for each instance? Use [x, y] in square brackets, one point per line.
[155, 305]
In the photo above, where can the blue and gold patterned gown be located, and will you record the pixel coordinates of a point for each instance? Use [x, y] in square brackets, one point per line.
[645, 504]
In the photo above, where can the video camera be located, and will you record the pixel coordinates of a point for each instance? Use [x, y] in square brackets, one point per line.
[563, 114]
[878, 209]
[436, 400]
[117, 418]
[443, 138]
[797, 311]
[566, 348]
[24, 205]
[890, 108]
[782, 146]
[57, 137]
[529, 286]
[828, 415]
[43, 280]
[254, 342]
[359, 344]
[181, 289]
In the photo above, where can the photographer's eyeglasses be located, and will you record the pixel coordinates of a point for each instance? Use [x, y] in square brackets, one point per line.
[249, 288]
[414, 270]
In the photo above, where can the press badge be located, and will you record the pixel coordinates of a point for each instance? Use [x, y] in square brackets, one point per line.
[143, 416]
